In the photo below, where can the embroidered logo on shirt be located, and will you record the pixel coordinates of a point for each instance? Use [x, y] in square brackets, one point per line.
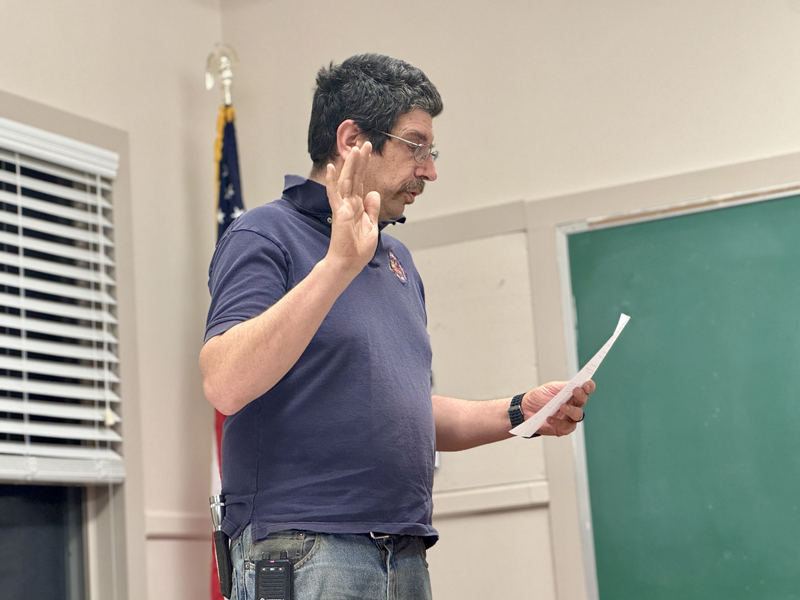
[397, 268]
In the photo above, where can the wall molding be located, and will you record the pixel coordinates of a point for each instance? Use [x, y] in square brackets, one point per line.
[460, 227]
[528, 494]
[164, 525]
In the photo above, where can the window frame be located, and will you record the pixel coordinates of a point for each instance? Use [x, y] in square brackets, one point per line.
[114, 513]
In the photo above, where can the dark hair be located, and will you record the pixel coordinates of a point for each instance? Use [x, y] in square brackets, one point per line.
[371, 89]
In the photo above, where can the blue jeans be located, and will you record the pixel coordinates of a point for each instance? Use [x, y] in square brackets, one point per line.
[337, 566]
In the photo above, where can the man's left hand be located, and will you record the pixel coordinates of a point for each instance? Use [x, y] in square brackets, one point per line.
[568, 416]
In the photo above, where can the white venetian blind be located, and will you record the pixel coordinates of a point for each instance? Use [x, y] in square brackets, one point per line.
[59, 367]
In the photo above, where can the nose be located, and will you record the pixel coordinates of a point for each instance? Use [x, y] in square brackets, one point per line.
[427, 170]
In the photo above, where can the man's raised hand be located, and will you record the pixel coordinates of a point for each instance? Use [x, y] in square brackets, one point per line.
[354, 231]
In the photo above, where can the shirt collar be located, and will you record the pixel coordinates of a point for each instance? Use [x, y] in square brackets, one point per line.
[311, 198]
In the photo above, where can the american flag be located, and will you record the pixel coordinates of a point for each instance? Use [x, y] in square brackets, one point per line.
[229, 201]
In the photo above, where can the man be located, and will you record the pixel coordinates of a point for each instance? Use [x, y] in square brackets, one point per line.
[316, 347]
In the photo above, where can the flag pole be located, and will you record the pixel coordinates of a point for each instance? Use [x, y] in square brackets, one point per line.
[219, 69]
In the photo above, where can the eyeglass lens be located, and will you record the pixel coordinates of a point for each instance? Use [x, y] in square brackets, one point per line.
[422, 152]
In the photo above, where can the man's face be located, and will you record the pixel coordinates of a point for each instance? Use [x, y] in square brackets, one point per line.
[395, 174]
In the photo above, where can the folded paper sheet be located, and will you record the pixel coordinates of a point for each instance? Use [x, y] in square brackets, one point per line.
[532, 425]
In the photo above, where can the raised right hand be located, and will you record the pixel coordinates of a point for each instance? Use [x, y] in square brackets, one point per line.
[354, 231]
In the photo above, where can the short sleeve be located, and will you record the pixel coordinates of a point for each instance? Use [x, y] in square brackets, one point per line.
[248, 274]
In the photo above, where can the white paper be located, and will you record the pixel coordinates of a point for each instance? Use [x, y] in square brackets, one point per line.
[532, 425]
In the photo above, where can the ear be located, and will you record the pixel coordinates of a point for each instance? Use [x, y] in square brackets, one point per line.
[348, 135]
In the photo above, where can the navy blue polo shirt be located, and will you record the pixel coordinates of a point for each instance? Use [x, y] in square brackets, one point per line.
[345, 442]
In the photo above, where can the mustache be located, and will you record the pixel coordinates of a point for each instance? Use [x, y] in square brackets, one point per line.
[418, 185]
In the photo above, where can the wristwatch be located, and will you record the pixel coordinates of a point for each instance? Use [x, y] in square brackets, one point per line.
[515, 410]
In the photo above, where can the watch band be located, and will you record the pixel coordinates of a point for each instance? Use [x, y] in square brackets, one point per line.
[515, 410]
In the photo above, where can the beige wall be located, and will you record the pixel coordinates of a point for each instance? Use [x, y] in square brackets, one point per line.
[541, 99]
[138, 67]
[478, 297]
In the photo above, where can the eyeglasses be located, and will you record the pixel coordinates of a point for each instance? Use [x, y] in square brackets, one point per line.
[421, 151]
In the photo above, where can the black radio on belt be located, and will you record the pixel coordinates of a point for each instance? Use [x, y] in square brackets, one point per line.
[274, 578]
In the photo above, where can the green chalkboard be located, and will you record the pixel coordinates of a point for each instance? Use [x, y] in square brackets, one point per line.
[693, 436]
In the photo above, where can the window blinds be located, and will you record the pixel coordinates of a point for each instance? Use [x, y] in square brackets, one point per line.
[59, 365]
